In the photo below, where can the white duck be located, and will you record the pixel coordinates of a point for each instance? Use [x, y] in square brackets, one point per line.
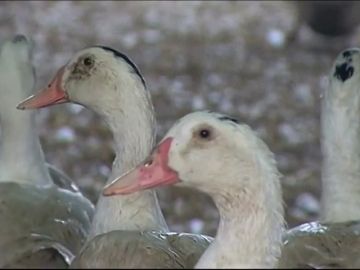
[41, 225]
[216, 155]
[21, 155]
[334, 240]
[109, 83]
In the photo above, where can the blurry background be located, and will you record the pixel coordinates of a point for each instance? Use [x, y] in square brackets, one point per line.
[265, 63]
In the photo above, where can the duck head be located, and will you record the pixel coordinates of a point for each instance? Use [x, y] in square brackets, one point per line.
[200, 150]
[89, 78]
[17, 73]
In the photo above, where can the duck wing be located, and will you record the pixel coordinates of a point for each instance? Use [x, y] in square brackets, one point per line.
[61, 179]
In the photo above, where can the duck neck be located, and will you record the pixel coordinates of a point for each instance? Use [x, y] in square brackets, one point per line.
[133, 126]
[21, 156]
[341, 150]
[249, 233]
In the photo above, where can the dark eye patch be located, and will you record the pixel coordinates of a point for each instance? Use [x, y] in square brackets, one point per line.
[205, 133]
[82, 67]
[88, 61]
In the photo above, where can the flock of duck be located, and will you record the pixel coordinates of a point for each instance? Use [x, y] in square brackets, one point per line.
[46, 222]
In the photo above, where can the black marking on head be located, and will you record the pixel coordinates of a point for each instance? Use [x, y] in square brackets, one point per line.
[348, 53]
[345, 70]
[127, 60]
[228, 118]
[19, 38]
[223, 117]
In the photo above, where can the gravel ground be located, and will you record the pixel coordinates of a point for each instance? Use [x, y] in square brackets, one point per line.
[252, 60]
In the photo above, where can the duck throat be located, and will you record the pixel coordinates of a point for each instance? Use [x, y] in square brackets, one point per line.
[21, 156]
[249, 233]
[133, 129]
[340, 145]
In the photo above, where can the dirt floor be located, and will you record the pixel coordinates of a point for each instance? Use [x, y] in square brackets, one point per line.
[252, 60]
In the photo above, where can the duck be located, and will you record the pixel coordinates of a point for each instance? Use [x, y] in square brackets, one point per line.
[329, 18]
[332, 241]
[109, 83]
[240, 176]
[41, 224]
[20, 147]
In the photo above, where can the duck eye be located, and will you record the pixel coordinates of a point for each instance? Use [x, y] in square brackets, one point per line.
[88, 61]
[204, 133]
[148, 163]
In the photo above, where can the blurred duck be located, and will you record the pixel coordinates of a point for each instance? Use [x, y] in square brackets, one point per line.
[240, 175]
[21, 155]
[334, 241]
[329, 18]
[41, 225]
[127, 231]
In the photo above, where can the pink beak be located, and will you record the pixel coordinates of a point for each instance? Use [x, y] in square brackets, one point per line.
[154, 172]
[53, 94]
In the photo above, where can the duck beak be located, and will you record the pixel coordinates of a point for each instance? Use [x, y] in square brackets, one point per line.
[53, 94]
[153, 172]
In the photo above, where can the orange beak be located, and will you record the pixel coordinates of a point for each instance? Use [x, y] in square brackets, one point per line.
[152, 173]
[53, 94]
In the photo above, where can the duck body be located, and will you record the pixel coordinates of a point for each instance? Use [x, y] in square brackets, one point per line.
[163, 250]
[61, 179]
[318, 245]
[109, 83]
[47, 220]
[41, 224]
